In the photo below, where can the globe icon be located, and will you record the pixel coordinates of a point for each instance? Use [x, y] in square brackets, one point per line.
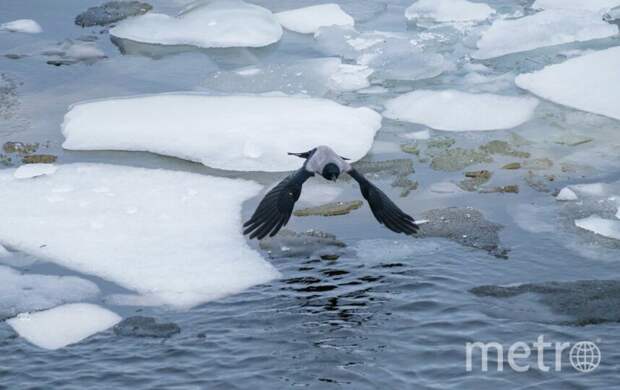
[585, 356]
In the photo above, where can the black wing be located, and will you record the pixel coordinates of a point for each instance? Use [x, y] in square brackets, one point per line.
[384, 210]
[275, 209]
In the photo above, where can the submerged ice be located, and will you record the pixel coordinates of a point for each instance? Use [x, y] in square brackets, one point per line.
[173, 237]
[243, 133]
[448, 10]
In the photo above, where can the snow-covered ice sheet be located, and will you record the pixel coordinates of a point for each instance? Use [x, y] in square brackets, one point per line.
[609, 228]
[546, 28]
[591, 5]
[28, 26]
[308, 20]
[453, 110]
[245, 133]
[28, 292]
[448, 11]
[174, 237]
[28, 171]
[207, 24]
[63, 325]
[588, 83]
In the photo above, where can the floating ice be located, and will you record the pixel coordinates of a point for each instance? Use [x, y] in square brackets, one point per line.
[603, 227]
[313, 77]
[595, 89]
[350, 77]
[308, 20]
[174, 237]
[249, 133]
[4, 252]
[29, 171]
[22, 25]
[591, 5]
[208, 24]
[63, 325]
[398, 59]
[448, 10]
[460, 111]
[566, 194]
[546, 28]
[27, 292]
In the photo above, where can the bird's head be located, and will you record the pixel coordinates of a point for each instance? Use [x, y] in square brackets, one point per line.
[331, 172]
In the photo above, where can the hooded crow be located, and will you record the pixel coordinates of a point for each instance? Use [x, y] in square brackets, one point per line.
[276, 208]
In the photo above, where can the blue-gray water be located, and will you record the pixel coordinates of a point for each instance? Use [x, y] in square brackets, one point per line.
[392, 313]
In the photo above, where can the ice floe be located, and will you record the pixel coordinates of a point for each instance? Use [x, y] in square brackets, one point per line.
[207, 24]
[29, 292]
[63, 325]
[603, 227]
[566, 194]
[594, 90]
[247, 133]
[33, 170]
[448, 10]
[28, 26]
[308, 20]
[546, 28]
[171, 236]
[453, 110]
[591, 5]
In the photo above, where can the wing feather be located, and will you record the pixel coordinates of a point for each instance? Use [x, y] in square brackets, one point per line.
[275, 210]
[382, 207]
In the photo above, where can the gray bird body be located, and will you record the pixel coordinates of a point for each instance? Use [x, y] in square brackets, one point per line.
[322, 156]
[275, 210]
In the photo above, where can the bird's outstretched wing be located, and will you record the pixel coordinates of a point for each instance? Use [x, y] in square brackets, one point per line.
[275, 209]
[384, 210]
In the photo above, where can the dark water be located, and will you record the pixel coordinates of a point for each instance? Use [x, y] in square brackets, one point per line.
[393, 313]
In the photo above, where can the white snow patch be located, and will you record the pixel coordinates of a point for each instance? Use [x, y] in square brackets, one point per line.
[183, 246]
[27, 292]
[308, 20]
[590, 5]
[29, 171]
[453, 110]
[546, 28]
[63, 325]
[208, 24]
[28, 26]
[603, 227]
[448, 10]
[588, 83]
[247, 133]
[566, 194]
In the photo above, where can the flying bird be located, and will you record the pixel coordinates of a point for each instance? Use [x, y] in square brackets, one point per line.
[276, 208]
